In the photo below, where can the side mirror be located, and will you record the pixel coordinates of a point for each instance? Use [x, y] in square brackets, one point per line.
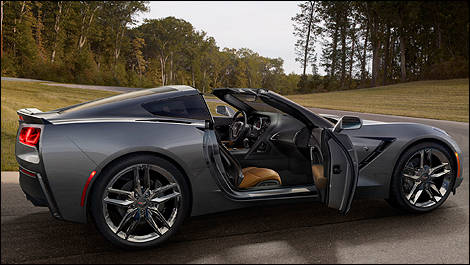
[225, 111]
[348, 123]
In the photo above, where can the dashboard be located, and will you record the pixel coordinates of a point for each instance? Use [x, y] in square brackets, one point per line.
[258, 125]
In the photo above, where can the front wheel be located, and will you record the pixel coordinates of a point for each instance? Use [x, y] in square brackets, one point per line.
[423, 178]
[140, 201]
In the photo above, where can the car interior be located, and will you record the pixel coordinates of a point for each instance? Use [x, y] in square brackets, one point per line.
[266, 149]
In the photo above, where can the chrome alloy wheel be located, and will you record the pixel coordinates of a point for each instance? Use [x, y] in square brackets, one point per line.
[426, 178]
[141, 203]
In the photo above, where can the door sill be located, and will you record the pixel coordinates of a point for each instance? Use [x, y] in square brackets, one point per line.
[272, 194]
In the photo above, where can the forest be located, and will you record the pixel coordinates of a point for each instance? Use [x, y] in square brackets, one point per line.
[362, 44]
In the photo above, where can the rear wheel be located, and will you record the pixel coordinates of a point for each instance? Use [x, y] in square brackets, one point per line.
[140, 201]
[423, 178]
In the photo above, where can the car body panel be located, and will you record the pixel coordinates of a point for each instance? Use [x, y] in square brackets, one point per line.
[76, 142]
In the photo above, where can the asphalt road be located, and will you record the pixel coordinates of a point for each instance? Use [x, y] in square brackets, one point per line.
[372, 232]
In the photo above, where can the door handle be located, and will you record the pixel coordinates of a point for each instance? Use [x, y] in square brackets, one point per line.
[337, 169]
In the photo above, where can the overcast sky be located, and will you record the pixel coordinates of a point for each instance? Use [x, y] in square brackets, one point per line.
[264, 27]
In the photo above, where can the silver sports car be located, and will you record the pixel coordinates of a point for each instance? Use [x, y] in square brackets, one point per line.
[139, 163]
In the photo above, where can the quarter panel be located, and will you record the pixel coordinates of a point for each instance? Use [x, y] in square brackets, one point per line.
[102, 142]
[374, 178]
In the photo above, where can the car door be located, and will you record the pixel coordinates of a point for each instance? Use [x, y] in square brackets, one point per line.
[335, 169]
[338, 158]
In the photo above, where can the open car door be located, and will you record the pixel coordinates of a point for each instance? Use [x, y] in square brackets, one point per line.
[335, 169]
[334, 160]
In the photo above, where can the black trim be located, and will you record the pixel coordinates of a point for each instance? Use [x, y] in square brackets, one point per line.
[46, 188]
[386, 142]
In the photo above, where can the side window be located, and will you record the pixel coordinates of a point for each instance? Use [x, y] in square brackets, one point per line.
[190, 107]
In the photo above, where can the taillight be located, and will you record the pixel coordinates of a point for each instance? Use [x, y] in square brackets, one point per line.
[30, 135]
[21, 118]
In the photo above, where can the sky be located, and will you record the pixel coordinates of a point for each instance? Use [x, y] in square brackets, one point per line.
[264, 27]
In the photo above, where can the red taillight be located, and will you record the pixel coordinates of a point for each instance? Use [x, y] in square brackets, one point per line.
[21, 118]
[30, 135]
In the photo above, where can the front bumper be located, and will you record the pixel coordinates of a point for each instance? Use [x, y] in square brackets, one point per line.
[37, 191]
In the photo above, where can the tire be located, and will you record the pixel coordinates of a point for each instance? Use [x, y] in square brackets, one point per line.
[98, 206]
[398, 197]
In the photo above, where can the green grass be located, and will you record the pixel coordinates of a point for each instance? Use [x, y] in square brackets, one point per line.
[18, 95]
[435, 99]
[447, 99]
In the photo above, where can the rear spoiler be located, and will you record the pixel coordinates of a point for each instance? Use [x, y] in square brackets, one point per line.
[29, 116]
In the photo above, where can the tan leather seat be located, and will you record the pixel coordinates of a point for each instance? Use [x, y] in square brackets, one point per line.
[253, 176]
[319, 176]
[247, 177]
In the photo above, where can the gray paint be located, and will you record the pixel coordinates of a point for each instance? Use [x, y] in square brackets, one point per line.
[73, 146]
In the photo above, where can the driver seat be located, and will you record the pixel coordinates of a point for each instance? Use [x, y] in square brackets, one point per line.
[248, 177]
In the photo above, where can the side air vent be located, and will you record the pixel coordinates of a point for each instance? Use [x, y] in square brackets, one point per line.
[377, 151]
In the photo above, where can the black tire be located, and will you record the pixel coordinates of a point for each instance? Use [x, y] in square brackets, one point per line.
[397, 198]
[105, 177]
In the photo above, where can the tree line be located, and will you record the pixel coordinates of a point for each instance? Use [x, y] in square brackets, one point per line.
[363, 44]
[378, 43]
[97, 42]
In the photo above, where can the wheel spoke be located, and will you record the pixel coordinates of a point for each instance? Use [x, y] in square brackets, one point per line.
[413, 177]
[159, 190]
[429, 155]
[147, 177]
[166, 197]
[421, 158]
[160, 217]
[137, 186]
[123, 203]
[437, 175]
[129, 194]
[431, 196]
[438, 167]
[131, 228]
[129, 215]
[151, 222]
[433, 186]
[167, 187]
[418, 194]
[412, 190]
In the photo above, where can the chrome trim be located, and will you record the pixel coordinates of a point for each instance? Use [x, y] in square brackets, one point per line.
[190, 123]
[274, 135]
[295, 136]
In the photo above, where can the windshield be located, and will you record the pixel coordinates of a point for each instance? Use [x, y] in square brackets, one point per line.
[255, 102]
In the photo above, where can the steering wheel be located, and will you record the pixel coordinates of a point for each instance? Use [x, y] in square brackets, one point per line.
[238, 128]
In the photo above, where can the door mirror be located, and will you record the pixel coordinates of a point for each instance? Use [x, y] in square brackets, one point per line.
[225, 111]
[348, 123]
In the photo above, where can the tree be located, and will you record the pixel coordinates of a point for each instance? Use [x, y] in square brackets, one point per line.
[306, 30]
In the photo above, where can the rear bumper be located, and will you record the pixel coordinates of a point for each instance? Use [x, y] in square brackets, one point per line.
[36, 189]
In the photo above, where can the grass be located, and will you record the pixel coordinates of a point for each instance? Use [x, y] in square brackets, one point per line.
[435, 99]
[446, 99]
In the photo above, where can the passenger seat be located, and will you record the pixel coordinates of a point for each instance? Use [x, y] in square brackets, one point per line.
[248, 177]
